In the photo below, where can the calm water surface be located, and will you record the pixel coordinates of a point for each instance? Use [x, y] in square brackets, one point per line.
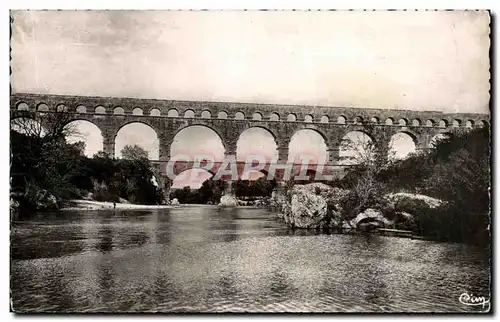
[210, 259]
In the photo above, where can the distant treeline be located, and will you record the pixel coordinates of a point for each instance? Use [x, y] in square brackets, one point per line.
[211, 191]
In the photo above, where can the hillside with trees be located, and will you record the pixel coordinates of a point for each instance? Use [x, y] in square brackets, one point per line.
[456, 170]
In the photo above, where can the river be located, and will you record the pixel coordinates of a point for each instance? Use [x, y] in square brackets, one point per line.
[210, 259]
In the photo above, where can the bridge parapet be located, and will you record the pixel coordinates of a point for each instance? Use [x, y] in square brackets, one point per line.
[250, 111]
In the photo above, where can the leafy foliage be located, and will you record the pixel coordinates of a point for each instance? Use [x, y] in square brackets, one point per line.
[42, 162]
[259, 188]
[457, 171]
[134, 152]
[210, 192]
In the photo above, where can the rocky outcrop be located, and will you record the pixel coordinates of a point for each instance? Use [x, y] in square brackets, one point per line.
[263, 202]
[403, 197]
[282, 205]
[46, 201]
[307, 209]
[370, 215]
[314, 205]
[317, 205]
[407, 207]
[404, 216]
[228, 201]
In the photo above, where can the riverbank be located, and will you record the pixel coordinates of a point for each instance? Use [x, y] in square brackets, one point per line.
[102, 205]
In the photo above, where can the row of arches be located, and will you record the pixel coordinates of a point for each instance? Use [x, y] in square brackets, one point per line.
[257, 116]
[198, 140]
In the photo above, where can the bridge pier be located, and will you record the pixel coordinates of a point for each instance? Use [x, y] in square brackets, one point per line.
[230, 150]
[228, 189]
[279, 189]
[333, 155]
[108, 144]
[283, 153]
[166, 184]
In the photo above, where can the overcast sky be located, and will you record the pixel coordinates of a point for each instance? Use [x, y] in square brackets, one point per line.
[406, 60]
[411, 60]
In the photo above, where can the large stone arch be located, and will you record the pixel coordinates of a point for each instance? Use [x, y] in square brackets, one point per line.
[264, 129]
[357, 145]
[292, 154]
[400, 150]
[361, 129]
[135, 119]
[439, 136]
[153, 150]
[206, 147]
[209, 126]
[312, 128]
[411, 134]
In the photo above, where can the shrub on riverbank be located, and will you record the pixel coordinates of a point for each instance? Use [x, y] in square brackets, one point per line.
[456, 171]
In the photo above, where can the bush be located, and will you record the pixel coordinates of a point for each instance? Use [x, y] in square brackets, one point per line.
[411, 205]
[450, 223]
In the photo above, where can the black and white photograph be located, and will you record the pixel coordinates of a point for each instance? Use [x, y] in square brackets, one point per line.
[250, 161]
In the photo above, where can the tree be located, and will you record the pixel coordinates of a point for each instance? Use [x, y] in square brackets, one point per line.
[365, 190]
[259, 188]
[211, 191]
[134, 152]
[42, 161]
[456, 170]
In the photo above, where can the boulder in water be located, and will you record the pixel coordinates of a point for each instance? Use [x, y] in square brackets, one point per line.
[314, 205]
[228, 201]
[174, 202]
[370, 216]
[46, 201]
[332, 196]
[308, 208]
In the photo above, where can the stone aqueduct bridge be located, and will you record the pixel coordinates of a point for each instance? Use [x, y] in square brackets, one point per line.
[229, 120]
